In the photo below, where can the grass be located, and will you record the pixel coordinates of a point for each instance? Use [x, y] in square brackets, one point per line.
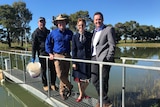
[129, 43]
[139, 43]
[14, 46]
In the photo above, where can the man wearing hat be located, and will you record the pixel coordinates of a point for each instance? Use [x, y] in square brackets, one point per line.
[58, 45]
[38, 45]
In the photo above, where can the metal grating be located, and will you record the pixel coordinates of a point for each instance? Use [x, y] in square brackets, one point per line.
[36, 83]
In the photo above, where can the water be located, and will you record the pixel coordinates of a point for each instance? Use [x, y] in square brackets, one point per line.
[141, 85]
[12, 95]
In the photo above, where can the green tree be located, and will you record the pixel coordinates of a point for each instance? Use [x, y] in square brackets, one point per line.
[119, 31]
[15, 20]
[7, 20]
[131, 29]
[23, 17]
[80, 14]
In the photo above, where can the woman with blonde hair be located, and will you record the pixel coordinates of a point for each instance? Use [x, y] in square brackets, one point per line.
[81, 49]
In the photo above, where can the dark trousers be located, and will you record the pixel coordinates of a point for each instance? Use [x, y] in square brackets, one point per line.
[105, 79]
[52, 74]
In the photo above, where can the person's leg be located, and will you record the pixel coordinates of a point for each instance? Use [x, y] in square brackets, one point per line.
[95, 75]
[85, 85]
[95, 79]
[43, 72]
[80, 88]
[62, 70]
[52, 74]
[59, 74]
[65, 71]
[105, 79]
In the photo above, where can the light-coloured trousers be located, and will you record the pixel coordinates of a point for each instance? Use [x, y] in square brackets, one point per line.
[62, 69]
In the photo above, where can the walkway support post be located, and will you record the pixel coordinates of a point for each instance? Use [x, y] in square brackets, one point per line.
[123, 82]
[101, 84]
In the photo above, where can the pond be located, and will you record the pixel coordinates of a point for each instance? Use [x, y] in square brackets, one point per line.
[142, 86]
[12, 95]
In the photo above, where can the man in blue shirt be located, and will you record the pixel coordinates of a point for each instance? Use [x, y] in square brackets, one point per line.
[58, 45]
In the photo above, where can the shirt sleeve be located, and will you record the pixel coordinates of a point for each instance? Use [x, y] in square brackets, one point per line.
[49, 43]
[34, 44]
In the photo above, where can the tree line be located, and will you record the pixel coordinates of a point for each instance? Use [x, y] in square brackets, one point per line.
[14, 22]
[15, 19]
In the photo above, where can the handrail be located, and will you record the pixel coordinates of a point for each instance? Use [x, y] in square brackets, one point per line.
[142, 59]
[97, 62]
[101, 64]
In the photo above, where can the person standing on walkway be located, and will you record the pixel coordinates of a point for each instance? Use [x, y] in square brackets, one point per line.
[103, 49]
[38, 46]
[61, 38]
[81, 49]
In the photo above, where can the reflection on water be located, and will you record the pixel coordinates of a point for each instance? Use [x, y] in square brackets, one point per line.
[12, 95]
[8, 99]
[142, 86]
[138, 52]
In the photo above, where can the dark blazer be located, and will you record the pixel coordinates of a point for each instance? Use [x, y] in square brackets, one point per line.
[81, 50]
[105, 48]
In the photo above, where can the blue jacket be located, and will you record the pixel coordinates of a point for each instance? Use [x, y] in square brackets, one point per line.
[58, 41]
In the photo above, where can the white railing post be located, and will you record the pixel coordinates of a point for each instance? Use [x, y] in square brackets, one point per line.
[101, 84]
[123, 82]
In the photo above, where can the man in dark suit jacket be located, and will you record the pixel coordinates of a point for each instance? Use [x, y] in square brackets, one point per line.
[103, 49]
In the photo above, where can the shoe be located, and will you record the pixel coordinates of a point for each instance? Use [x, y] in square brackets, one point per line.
[69, 91]
[107, 105]
[87, 97]
[54, 88]
[79, 100]
[97, 105]
[45, 88]
[63, 97]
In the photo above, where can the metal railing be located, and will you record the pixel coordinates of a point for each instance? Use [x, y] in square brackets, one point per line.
[123, 65]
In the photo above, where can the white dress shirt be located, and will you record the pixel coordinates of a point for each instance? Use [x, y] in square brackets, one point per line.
[95, 41]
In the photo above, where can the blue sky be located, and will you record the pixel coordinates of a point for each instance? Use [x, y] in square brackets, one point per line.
[145, 12]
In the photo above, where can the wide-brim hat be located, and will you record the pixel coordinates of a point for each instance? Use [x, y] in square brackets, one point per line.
[60, 18]
[34, 69]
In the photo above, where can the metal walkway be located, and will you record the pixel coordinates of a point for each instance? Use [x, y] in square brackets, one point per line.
[34, 86]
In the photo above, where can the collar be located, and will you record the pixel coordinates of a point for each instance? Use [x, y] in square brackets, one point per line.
[61, 31]
[100, 28]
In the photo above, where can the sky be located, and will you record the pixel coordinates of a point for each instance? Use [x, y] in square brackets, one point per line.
[144, 12]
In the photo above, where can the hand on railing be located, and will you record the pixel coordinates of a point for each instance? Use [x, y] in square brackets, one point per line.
[74, 67]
